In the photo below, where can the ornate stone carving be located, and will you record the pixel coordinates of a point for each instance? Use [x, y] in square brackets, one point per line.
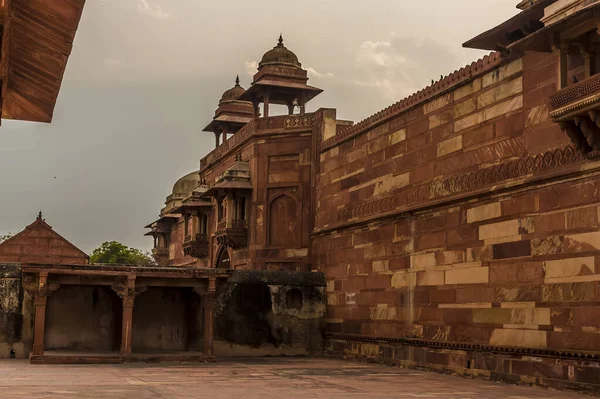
[462, 183]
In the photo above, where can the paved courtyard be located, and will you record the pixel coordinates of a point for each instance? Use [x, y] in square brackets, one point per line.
[248, 378]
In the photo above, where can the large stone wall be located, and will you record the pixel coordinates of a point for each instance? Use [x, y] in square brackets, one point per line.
[15, 314]
[464, 220]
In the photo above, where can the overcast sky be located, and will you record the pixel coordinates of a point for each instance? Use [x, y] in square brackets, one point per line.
[145, 77]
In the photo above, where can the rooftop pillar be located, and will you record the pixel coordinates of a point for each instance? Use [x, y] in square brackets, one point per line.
[209, 303]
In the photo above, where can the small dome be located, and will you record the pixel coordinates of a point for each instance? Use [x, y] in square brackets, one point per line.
[186, 184]
[280, 55]
[233, 93]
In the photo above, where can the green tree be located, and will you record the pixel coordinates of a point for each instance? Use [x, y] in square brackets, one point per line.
[115, 253]
[5, 237]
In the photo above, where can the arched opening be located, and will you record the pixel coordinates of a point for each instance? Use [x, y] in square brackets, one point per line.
[247, 316]
[282, 221]
[83, 318]
[223, 261]
[293, 299]
[166, 319]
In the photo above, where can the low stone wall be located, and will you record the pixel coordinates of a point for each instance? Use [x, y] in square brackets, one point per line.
[554, 369]
[264, 313]
[15, 314]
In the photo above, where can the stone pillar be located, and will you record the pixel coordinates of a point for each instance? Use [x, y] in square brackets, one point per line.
[39, 325]
[291, 108]
[40, 297]
[302, 104]
[209, 303]
[266, 101]
[195, 229]
[562, 52]
[217, 138]
[256, 109]
[127, 294]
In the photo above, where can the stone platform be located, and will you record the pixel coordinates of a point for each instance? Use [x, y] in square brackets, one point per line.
[66, 357]
[249, 378]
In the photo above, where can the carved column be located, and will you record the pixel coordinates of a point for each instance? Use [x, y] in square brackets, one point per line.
[127, 294]
[40, 296]
[562, 51]
[209, 303]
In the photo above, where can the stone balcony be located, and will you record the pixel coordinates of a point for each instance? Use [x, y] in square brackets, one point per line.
[234, 235]
[577, 109]
[196, 245]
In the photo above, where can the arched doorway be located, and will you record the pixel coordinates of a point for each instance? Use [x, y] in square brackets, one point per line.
[223, 261]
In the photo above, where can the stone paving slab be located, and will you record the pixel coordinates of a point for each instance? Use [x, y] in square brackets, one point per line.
[248, 378]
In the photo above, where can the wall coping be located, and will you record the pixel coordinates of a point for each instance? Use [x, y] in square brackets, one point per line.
[442, 86]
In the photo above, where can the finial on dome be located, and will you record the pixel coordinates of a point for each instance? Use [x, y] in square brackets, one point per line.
[280, 40]
[39, 217]
[237, 81]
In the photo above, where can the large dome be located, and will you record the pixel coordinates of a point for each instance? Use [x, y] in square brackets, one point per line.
[280, 55]
[186, 184]
[233, 93]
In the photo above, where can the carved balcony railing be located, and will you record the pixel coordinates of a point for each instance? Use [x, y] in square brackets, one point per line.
[160, 255]
[577, 109]
[196, 245]
[235, 235]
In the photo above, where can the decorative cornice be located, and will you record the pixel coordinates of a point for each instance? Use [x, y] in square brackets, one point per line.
[414, 198]
[449, 82]
[463, 346]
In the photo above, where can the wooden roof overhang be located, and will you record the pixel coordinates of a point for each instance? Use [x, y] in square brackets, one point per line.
[568, 28]
[110, 275]
[517, 27]
[36, 43]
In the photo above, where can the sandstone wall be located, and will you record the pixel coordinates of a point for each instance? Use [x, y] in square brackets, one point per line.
[15, 314]
[271, 313]
[464, 220]
[83, 318]
[39, 244]
[278, 150]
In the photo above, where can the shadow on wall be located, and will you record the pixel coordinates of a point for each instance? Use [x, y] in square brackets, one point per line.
[258, 319]
[83, 318]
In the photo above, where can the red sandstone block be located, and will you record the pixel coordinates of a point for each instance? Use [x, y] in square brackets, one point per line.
[427, 154]
[427, 314]
[586, 316]
[396, 149]
[378, 282]
[549, 222]
[470, 334]
[443, 295]
[406, 162]
[418, 141]
[478, 136]
[392, 298]
[458, 316]
[336, 271]
[530, 273]
[462, 235]
[475, 293]
[422, 173]
[431, 240]
[441, 133]
[353, 284]
[560, 317]
[344, 241]
[562, 197]
[399, 263]
[416, 128]
[583, 218]
[521, 205]
[538, 96]
[545, 138]
[359, 313]
[573, 340]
